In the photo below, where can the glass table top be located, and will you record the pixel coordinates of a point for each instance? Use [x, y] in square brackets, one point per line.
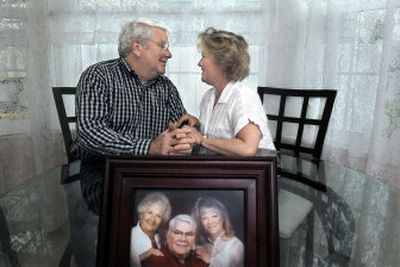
[355, 222]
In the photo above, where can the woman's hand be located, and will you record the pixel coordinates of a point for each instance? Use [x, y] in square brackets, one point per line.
[196, 135]
[151, 251]
[186, 119]
[188, 134]
[203, 254]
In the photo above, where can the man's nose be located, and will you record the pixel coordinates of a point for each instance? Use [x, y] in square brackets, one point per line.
[152, 218]
[183, 239]
[168, 53]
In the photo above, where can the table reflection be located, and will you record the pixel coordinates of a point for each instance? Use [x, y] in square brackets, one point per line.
[355, 221]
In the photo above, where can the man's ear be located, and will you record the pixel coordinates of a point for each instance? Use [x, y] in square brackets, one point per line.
[136, 48]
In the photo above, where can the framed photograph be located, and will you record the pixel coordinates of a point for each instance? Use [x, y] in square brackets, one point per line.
[245, 188]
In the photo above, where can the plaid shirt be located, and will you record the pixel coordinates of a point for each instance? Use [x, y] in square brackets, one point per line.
[117, 115]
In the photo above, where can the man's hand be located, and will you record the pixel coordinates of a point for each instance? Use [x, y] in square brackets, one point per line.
[172, 142]
[183, 141]
[162, 144]
[186, 119]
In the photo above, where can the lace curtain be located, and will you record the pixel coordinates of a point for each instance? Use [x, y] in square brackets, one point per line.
[27, 144]
[351, 46]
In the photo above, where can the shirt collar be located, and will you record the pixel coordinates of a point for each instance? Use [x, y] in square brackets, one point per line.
[128, 68]
[226, 92]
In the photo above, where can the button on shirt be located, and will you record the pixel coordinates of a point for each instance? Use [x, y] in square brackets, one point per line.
[117, 115]
[237, 105]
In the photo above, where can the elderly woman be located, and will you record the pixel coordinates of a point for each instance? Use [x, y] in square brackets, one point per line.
[153, 210]
[233, 121]
[222, 248]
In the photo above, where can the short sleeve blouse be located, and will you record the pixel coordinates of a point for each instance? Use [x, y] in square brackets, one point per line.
[237, 106]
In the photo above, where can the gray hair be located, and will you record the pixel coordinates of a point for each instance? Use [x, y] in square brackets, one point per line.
[156, 198]
[137, 30]
[182, 218]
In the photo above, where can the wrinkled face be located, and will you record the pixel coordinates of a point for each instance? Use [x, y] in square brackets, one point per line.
[154, 55]
[181, 239]
[211, 71]
[212, 221]
[151, 218]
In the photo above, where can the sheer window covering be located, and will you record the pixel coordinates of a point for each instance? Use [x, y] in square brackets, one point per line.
[352, 46]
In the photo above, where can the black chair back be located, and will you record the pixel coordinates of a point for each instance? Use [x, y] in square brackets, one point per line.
[298, 120]
[66, 119]
[324, 99]
[63, 96]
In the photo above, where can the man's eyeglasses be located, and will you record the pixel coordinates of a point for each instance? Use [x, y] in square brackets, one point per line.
[182, 234]
[162, 45]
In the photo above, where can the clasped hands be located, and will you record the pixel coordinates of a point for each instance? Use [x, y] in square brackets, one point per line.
[178, 139]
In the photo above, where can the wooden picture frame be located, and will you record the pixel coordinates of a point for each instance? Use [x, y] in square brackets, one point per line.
[251, 181]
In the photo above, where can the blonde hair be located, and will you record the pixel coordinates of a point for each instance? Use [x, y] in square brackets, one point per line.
[228, 49]
[202, 204]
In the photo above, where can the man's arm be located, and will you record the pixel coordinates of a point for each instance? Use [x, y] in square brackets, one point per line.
[93, 118]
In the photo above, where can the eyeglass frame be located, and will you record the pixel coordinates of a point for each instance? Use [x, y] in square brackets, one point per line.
[162, 45]
[183, 234]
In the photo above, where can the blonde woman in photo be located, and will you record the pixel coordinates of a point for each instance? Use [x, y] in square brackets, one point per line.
[221, 247]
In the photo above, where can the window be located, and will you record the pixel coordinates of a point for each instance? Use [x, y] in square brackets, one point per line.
[13, 46]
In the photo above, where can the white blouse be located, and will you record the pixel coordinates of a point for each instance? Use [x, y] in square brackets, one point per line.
[140, 243]
[236, 107]
[226, 253]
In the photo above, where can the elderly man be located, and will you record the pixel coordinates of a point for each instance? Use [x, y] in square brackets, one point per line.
[181, 236]
[124, 106]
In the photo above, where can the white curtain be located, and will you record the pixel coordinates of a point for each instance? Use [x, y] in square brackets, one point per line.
[351, 46]
[27, 144]
[84, 32]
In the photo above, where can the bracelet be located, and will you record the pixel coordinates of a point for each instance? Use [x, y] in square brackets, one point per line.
[203, 138]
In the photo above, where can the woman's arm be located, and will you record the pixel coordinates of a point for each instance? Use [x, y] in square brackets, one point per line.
[151, 251]
[204, 254]
[244, 144]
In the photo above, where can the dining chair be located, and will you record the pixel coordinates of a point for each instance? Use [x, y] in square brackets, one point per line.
[5, 241]
[337, 222]
[64, 98]
[298, 120]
